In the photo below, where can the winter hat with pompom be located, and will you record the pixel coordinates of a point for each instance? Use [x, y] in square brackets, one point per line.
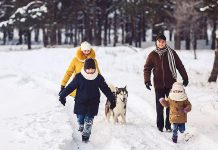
[85, 46]
[177, 93]
[89, 64]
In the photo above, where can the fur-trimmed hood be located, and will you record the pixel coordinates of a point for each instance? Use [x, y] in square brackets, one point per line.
[81, 57]
[89, 76]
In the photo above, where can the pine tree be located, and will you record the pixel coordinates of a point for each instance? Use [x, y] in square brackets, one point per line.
[210, 7]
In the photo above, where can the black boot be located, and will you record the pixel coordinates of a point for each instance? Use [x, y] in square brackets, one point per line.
[85, 138]
[174, 139]
[160, 129]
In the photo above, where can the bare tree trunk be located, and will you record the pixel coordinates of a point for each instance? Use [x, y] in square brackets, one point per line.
[66, 35]
[59, 37]
[75, 34]
[205, 33]
[177, 39]
[10, 34]
[122, 29]
[109, 31]
[105, 31]
[195, 46]
[88, 28]
[214, 73]
[139, 30]
[53, 35]
[187, 39]
[171, 33]
[213, 34]
[133, 30]
[188, 42]
[29, 39]
[45, 37]
[143, 28]
[71, 33]
[20, 36]
[4, 36]
[115, 29]
[99, 25]
[36, 35]
[81, 32]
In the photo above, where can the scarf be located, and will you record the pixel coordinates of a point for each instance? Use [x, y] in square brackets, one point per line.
[171, 59]
[89, 76]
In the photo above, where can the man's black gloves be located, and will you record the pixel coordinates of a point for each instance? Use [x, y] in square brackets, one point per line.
[185, 82]
[148, 84]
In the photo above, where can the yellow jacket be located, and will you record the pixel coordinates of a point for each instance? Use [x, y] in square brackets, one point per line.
[76, 65]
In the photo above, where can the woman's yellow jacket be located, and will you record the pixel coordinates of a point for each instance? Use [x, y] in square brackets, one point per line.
[76, 65]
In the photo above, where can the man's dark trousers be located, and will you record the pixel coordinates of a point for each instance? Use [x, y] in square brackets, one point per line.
[160, 109]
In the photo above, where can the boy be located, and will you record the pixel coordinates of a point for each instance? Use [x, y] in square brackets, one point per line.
[87, 82]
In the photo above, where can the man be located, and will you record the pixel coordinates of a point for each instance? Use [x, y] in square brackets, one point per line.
[163, 61]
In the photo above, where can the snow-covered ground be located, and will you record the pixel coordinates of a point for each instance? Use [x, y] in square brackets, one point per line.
[33, 119]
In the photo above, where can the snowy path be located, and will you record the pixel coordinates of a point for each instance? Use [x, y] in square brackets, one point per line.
[32, 118]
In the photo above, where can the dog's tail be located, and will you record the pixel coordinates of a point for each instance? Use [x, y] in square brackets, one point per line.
[107, 108]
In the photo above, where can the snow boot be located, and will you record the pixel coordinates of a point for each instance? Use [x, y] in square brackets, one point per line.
[160, 129]
[85, 138]
[81, 127]
[174, 139]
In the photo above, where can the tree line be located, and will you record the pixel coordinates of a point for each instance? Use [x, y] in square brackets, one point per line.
[103, 22]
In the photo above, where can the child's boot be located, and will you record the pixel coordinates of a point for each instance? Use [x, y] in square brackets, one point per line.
[85, 138]
[174, 139]
[81, 127]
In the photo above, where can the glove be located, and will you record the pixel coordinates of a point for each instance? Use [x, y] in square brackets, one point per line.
[62, 100]
[185, 110]
[148, 84]
[185, 82]
[62, 88]
[161, 99]
[112, 104]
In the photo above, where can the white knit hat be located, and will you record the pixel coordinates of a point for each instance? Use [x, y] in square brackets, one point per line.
[85, 46]
[177, 92]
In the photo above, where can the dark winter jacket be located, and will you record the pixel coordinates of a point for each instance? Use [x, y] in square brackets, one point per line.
[162, 74]
[87, 97]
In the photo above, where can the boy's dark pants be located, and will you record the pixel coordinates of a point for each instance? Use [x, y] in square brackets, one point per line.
[159, 109]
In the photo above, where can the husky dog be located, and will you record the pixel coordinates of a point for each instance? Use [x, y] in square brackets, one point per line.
[121, 95]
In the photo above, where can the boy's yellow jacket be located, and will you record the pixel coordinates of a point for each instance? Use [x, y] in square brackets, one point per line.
[76, 65]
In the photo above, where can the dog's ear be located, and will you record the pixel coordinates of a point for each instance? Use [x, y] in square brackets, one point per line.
[118, 90]
[126, 90]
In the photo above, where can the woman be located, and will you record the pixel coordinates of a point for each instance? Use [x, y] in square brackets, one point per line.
[83, 52]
